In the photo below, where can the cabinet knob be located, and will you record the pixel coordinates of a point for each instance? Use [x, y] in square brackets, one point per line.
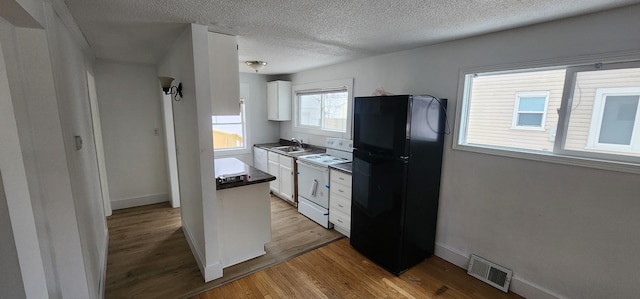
[340, 205]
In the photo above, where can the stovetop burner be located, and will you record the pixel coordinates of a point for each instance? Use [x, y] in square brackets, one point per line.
[323, 159]
[338, 151]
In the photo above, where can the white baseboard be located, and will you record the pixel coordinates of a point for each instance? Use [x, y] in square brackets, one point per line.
[138, 201]
[209, 272]
[518, 285]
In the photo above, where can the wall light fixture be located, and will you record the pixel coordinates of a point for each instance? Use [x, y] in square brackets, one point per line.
[175, 91]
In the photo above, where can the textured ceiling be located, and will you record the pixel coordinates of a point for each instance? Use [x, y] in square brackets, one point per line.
[294, 35]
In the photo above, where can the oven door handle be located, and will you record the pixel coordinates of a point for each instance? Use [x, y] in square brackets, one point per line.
[314, 188]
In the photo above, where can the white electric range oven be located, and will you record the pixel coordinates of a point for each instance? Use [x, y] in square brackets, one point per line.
[313, 179]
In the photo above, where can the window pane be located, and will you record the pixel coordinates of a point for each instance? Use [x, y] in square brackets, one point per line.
[491, 103]
[228, 130]
[335, 111]
[217, 119]
[311, 110]
[618, 119]
[530, 119]
[227, 136]
[532, 104]
[603, 112]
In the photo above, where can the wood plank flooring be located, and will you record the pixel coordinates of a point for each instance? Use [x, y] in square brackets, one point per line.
[149, 256]
[338, 271]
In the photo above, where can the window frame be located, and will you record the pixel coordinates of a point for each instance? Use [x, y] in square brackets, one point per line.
[597, 117]
[325, 86]
[322, 108]
[559, 155]
[516, 111]
[243, 122]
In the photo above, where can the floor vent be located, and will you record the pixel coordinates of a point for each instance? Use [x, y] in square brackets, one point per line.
[489, 272]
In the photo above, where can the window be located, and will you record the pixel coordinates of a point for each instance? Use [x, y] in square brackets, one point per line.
[615, 115]
[229, 130]
[587, 111]
[324, 108]
[531, 109]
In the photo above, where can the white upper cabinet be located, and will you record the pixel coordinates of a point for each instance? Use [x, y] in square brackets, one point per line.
[279, 100]
[224, 74]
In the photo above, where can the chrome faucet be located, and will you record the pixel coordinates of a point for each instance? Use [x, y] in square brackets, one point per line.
[297, 142]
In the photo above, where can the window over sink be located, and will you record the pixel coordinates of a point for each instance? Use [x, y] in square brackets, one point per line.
[324, 108]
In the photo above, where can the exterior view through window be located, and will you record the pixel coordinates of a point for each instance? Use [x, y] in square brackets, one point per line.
[326, 110]
[588, 111]
[229, 130]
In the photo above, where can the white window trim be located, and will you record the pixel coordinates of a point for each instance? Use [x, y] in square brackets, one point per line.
[324, 86]
[598, 113]
[245, 149]
[462, 112]
[528, 94]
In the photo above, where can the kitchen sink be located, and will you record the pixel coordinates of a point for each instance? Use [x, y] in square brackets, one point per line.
[289, 149]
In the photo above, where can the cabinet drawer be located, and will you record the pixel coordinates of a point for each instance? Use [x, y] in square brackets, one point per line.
[341, 177]
[341, 190]
[273, 157]
[341, 220]
[286, 161]
[340, 204]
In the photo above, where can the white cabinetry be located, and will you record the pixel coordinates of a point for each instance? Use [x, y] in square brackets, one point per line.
[224, 75]
[340, 201]
[279, 100]
[282, 168]
[260, 160]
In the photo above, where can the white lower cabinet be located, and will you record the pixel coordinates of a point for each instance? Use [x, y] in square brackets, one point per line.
[282, 167]
[340, 201]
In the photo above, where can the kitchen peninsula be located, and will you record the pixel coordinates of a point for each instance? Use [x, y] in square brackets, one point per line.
[244, 211]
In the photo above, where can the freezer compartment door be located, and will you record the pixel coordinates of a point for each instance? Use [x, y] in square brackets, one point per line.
[380, 124]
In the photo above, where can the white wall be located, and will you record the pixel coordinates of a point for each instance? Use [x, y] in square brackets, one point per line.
[130, 113]
[63, 198]
[253, 88]
[22, 264]
[11, 284]
[566, 231]
[70, 66]
[187, 61]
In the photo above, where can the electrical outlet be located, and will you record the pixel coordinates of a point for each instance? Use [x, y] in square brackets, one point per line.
[156, 132]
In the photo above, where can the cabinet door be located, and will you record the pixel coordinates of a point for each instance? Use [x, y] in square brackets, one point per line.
[260, 159]
[279, 100]
[272, 100]
[274, 170]
[223, 74]
[286, 182]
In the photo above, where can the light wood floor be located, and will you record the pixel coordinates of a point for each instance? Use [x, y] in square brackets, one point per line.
[149, 256]
[338, 271]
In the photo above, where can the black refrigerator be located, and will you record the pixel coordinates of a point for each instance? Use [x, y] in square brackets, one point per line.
[397, 160]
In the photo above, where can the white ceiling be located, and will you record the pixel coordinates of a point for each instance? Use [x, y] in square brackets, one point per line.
[294, 35]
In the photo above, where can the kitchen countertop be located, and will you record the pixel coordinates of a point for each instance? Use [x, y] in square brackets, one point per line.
[228, 166]
[344, 167]
[309, 149]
